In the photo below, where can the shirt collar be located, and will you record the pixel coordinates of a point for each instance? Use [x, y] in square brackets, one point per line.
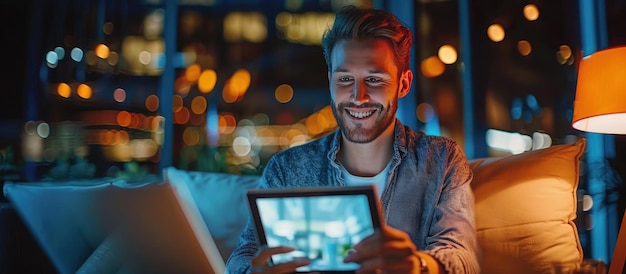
[399, 144]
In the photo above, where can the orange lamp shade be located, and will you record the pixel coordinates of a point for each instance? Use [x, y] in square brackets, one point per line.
[600, 104]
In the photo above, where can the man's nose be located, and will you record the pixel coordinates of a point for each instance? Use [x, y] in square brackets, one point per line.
[359, 94]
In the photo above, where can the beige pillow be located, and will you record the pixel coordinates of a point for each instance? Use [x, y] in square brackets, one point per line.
[525, 210]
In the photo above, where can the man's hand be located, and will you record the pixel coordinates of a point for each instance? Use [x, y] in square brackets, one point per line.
[386, 251]
[260, 263]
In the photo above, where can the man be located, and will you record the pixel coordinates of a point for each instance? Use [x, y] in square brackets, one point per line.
[425, 192]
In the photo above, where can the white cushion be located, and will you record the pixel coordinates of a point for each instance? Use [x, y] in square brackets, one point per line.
[221, 199]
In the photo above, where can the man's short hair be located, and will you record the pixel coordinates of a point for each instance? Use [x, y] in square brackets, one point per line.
[359, 23]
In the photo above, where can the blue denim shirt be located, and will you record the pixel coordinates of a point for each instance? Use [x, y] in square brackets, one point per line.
[428, 194]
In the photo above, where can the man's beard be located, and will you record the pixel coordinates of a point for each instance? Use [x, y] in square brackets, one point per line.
[356, 133]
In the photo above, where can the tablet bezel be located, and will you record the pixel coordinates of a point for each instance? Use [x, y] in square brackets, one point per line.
[369, 191]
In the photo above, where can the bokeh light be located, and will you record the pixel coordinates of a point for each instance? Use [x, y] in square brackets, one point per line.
[192, 73]
[60, 53]
[43, 130]
[152, 102]
[198, 105]
[432, 67]
[102, 51]
[236, 86]
[191, 136]
[531, 12]
[76, 54]
[52, 59]
[425, 112]
[177, 103]
[119, 95]
[113, 59]
[495, 32]
[207, 81]
[241, 146]
[283, 93]
[182, 116]
[64, 90]
[107, 28]
[524, 47]
[124, 118]
[145, 57]
[227, 123]
[447, 54]
[564, 55]
[84, 91]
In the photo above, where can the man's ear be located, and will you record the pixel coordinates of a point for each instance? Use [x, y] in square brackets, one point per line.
[404, 85]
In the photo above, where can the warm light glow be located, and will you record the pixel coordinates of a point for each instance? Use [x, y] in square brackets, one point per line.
[600, 104]
[152, 102]
[145, 57]
[531, 13]
[312, 125]
[192, 73]
[447, 54]
[113, 59]
[198, 105]
[245, 26]
[91, 58]
[182, 86]
[102, 51]
[565, 51]
[124, 118]
[84, 91]
[524, 47]
[107, 28]
[207, 81]
[564, 55]
[177, 103]
[229, 94]
[64, 90]
[182, 116]
[283, 93]
[227, 123]
[191, 137]
[306, 28]
[425, 112]
[495, 32]
[432, 67]
[236, 86]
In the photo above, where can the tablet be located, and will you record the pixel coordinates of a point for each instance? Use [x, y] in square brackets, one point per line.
[321, 223]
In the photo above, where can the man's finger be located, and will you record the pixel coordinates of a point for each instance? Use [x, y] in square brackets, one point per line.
[264, 254]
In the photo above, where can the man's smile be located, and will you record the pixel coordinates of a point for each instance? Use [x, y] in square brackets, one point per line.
[360, 114]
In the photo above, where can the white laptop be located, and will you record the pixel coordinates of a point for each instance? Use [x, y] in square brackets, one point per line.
[112, 227]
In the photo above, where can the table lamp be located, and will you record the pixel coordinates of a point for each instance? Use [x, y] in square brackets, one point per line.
[600, 107]
[600, 104]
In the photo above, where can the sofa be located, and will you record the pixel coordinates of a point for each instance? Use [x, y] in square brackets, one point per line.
[526, 207]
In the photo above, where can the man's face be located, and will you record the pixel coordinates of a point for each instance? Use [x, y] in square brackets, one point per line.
[364, 88]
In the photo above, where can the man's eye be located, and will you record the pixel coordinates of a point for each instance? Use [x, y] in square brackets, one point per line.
[344, 79]
[372, 80]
